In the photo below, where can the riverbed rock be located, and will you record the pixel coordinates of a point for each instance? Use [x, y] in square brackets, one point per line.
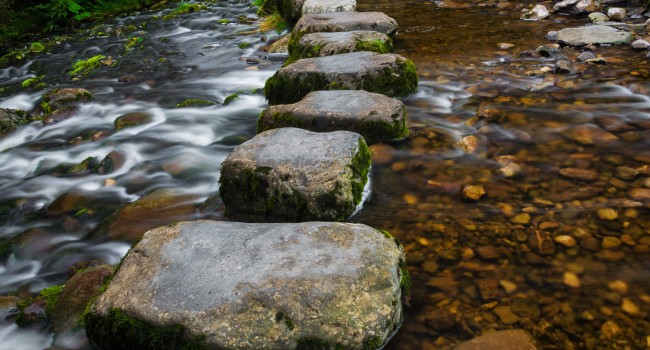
[75, 296]
[500, 340]
[376, 117]
[227, 285]
[290, 10]
[131, 119]
[327, 44]
[538, 12]
[57, 98]
[576, 7]
[12, 119]
[343, 22]
[598, 17]
[592, 35]
[616, 14]
[317, 7]
[292, 174]
[640, 45]
[389, 74]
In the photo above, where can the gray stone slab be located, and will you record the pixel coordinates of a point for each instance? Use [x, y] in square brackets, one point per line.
[327, 44]
[290, 10]
[376, 117]
[388, 74]
[593, 35]
[344, 22]
[292, 174]
[314, 7]
[227, 285]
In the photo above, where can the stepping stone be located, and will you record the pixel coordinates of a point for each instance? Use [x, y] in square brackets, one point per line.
[316, 7]
[376, 117]
[388, 74]
[292, 10]
[343, 22]
[229, 285]
[327, 44]
[592, 35]
[295, 175]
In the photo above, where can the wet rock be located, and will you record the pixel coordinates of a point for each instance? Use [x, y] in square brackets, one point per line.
[551, 35]
[500, 340]
[541, 242]
[538, 12]
[571, 279]
[598, 17]
[327, 44]
[376, 117]
[629, 307]
[12, 119]
[60, 115]
[505, 314]
[131, 119]
[564, 67]
[451, 188]
[77, 292]
[280, 286]
[290, 10]
[593, 35]
[599, 61]
[160, 207]
[565, 240]
[57, 98]
[388, 74]
[617, 14]
[639, 194]
[607, 214]
[344, 22]
[640, 45]
[576, 7]
[34, 313]
[579, 174]
[610, 329]
[510, 170]
[505, 46]
[291, 174]
[316, 7]
[548, 50]
[473, 192]
[487, 253]
[468, 144]
[585, 56]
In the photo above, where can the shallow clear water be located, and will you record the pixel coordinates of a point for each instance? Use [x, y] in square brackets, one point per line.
[476, 265]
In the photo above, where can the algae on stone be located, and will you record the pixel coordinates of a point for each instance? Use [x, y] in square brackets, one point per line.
[327, 44]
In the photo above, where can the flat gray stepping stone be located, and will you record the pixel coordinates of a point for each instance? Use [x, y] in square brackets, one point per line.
[592, 35]
[343, 22]
[295, 175]
[327, 44]
[389, 74]
[315, 7]
[228, 285]
[376, 117]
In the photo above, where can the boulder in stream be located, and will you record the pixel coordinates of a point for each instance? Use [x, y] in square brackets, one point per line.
[57, 98]
[229, 285]
[343, 22]
[12, 119]
[376, 117]
[576, 7]
[292, 174]
[593, 35]
[389, 74]
[316, 7]
[327, 44]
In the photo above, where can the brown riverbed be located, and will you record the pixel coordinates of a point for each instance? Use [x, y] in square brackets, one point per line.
[558, 245]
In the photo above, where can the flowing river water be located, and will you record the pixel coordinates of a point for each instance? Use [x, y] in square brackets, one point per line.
[492, 264]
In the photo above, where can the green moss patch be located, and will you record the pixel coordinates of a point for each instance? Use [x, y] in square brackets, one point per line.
[360, 166]
[278, 120]
[51, 296]
[118, 330]
[84, 67]
[377, 45]
[184, 9]
[193, 102]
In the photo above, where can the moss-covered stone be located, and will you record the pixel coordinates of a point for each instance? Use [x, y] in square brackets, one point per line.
[278, 176]
[12, 119]
[131, 119]
[327, 44]
[84, 67]
[388, 74]
[57, 98]
[194, 102]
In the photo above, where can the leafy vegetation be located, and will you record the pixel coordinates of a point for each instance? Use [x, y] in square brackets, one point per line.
[19, 18]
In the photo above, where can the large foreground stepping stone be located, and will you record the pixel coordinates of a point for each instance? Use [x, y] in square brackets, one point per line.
[592, 35]
[227, 285]
[389, 74]
[293, 174]
[327, 44]
[343, 22]
[376, 117]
